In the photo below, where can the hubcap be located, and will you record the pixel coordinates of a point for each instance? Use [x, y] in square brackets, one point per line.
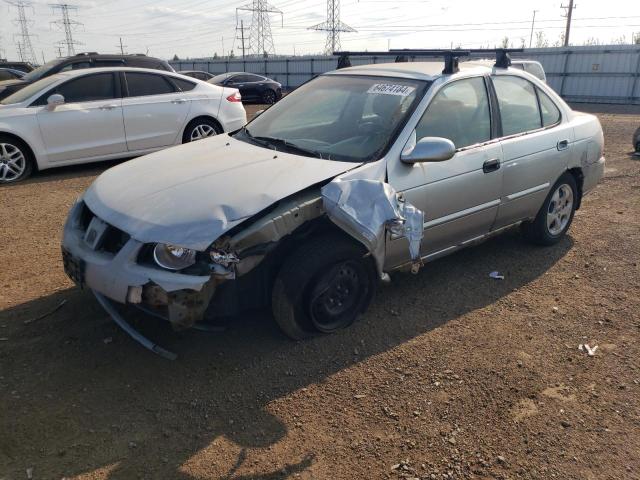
[560, 209]
[202, 131]
[337, 296]
[12, 162]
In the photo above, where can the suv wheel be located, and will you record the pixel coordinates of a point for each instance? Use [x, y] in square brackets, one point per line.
[555, 215]
[323, 287]
[200, 128]
[15, 160]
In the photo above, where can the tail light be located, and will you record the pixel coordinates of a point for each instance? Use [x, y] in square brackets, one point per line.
[234, 97]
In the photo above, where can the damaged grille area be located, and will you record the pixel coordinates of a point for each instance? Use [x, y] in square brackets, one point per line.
[112, 239]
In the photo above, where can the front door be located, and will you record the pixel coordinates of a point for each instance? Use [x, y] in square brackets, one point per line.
[459, 196]
[154, 111]
[89, 123]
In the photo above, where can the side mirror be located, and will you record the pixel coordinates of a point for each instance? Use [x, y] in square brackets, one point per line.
[429, 149]
[54, 101]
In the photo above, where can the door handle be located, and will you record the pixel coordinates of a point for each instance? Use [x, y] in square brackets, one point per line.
[108, 107]
[563, 144]
[179, 101]
[491, 165]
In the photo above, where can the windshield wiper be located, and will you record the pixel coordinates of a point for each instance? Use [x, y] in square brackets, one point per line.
[286, 144]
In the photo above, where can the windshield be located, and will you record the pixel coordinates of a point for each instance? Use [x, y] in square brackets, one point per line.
[30, 90]
[41, 71]
[338, 117]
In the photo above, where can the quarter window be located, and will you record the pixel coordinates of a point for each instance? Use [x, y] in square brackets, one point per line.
[460, 112]
[550, 113]
[183, 85]
[143, 84]
[87, 88]
[518, 104]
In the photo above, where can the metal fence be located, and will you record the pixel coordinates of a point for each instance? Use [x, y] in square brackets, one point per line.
[599, 74]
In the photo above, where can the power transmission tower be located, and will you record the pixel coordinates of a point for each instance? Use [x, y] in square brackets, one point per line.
[333, 26]
[121, 46]
[23, 39]
[68, 25]
[260, 38]
[569, 11]
[242, 38]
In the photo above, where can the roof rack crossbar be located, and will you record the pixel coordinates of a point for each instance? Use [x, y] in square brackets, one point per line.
[403, 55]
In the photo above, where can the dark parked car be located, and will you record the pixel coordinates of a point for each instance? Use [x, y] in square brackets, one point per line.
[636, 141]
[10, 74]
[255, 88]
[82, 60]
[198, 74]
[22, 66]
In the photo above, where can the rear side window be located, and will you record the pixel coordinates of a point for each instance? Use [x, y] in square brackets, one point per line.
[518, 104]
[548, 109]
[459, 112]
[144, 84]
[183, 85]
[87, 88]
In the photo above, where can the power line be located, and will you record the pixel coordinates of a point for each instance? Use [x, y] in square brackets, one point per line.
[23, 39]
[333, 26]
[260, 37]
[68, 25]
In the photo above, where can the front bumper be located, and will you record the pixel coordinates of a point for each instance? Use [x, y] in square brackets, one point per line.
[116, 273]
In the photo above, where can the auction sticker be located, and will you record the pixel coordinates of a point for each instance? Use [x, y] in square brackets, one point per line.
[391, 89]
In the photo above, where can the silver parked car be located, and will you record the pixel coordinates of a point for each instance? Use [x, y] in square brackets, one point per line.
[358, 173]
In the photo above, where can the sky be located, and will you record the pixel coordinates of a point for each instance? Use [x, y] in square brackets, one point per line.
[200, 28]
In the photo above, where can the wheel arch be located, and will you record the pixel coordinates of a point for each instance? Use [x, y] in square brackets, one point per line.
[578, 176]
[30, 149]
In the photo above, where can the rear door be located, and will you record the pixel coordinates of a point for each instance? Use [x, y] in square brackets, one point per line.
[89, 123]
[154, 110]
[459, 196]
[536, 146]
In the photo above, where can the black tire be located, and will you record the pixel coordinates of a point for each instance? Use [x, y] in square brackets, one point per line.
[323, 287]
[269, 97]
[638, 147]
[539, 230]
[200, 125]
[13, 150]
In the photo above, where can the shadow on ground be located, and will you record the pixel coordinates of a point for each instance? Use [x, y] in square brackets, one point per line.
[79, 395]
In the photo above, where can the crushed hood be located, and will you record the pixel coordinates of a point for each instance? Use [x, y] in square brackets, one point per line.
[191, 194]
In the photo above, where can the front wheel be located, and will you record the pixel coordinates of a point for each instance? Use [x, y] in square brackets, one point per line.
[199, 129]
[15, 160]
[323, 287]
[556, 214]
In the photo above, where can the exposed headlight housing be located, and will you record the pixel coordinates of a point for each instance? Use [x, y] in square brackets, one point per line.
[173, 257]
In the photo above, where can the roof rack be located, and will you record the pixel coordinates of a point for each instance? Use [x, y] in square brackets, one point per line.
[84, 54]
[451, 57]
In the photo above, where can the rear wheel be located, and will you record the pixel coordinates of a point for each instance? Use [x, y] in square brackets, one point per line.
[199, 129]
[323, 287]
[16, 162]
[555, 215]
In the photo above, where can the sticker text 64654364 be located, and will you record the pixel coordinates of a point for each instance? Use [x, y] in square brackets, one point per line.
[391, 89]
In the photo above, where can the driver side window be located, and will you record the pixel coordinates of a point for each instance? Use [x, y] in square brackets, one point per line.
[460, 112]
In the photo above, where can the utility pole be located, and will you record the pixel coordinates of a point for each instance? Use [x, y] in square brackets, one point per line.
[121, 46]
[241, 37]
[333, 26]
[533, 22]
[260, 37]
[23, 39]
[59, 50]
[569, 10]
[68, 25]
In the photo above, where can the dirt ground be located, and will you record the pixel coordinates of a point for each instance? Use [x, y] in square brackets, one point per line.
[449, 375]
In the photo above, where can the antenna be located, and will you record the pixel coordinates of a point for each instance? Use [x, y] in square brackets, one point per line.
[23, 39]
[333, 26]
[260, 38]
[68, 25]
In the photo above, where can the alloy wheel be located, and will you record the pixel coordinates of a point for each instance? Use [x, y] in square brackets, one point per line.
[269, 97]
[12, 162]
[560, 209]
[201, 131]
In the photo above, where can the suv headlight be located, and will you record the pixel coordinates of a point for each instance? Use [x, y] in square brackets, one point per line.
[173, 257]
